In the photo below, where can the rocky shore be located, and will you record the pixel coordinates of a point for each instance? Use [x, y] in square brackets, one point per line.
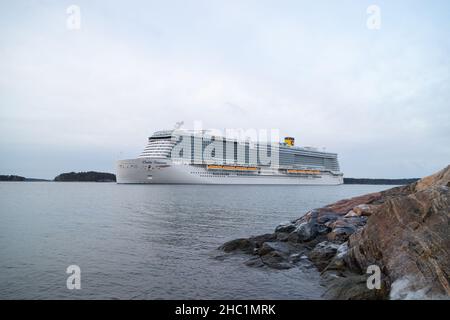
[403, 231]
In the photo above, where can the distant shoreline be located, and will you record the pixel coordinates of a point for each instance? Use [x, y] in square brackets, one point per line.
[397, 182]
[15, 178]
[93, 176]
[90, 176]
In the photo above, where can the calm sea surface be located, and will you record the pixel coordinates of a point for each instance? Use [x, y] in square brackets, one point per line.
[149, 242]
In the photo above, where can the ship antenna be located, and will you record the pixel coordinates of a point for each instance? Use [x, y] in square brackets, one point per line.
[178, 124]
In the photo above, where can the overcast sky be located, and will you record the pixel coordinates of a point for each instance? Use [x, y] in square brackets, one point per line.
[73, 100]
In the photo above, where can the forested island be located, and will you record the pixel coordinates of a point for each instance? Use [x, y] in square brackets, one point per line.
[397, 182]
[11, 178]
[18, 178]
[90, 176]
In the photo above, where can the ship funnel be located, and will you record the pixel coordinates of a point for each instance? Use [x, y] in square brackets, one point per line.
[289, 141]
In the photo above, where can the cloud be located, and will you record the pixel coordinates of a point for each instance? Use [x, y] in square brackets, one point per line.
[379, 99]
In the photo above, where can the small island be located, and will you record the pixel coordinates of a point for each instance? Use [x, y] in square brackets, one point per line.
[90, 176]
[11, 178]
[14, 178]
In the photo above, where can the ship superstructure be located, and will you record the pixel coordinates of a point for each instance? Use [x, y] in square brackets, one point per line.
[199, 157]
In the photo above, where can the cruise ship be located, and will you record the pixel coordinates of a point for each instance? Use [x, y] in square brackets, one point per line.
[199, 157]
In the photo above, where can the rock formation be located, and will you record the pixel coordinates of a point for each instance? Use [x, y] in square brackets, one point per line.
[403, 231]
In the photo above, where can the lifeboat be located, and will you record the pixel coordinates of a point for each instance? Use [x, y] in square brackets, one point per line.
[230, 168]
[303, 171]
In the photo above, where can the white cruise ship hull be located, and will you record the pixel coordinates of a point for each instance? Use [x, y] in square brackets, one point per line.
[163, 171]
